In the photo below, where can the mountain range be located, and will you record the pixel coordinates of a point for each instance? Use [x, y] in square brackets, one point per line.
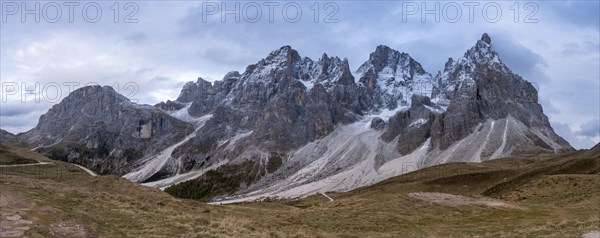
[290, 126]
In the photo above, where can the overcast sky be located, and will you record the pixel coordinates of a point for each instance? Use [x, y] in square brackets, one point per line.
[155, 47]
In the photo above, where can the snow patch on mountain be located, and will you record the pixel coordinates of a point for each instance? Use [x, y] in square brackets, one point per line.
[155, 163]
[184, 115]
[418, 122]
[180, 178]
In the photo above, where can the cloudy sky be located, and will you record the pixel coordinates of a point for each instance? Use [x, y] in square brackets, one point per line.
[148, 50]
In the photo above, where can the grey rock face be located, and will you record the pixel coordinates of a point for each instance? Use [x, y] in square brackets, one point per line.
[390, 78]
[170, 105]
[286, 100]
[481, 87]
[596, 148]
[97, 127]
[280, 103]
[378, 124]
[474, 89]
[486, 38]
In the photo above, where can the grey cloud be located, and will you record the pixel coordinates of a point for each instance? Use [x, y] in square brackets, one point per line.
[581, 95]
[571, 49]
[590, 128]
[256, 40]
[548, 107]
[521, 59]
[576, 141]
[423, 49]
[160, 79]
[224, 55]
[580, 13]
[22, 122]
[135, 38]
[13, 109]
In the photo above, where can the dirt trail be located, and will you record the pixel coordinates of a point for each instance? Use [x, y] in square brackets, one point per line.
[18, 215]
[12, 208]
[91, 173]
[460, 200]
[24, 165]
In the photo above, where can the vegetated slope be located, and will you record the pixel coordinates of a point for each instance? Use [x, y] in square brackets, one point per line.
[554, 196]
[494, 178]
[558, 196]
[8, 157]
[61, 200]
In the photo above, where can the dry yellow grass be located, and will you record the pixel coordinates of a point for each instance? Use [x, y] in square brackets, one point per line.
[61, 199]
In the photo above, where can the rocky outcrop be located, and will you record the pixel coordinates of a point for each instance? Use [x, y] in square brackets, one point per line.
[100, 129]
[480, 87]
[390, 78]
[470, 92]
[284, 100]
[378, 124]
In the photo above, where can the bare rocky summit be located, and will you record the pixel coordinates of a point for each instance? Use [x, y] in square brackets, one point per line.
[102, 130]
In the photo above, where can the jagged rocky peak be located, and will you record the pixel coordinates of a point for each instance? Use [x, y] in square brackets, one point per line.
[463, 72]
[285, 54]
[391, 77]
[486, 38]
[228, 82]
[325, 65]
[483, 53]
[449, 63]
[390, 65]
[232, 75]
[329, 71]
[279, 64]
[326, 71]
[323, 70]
[346, 77]
[479, 87]
[385, 56]
[191, 90]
